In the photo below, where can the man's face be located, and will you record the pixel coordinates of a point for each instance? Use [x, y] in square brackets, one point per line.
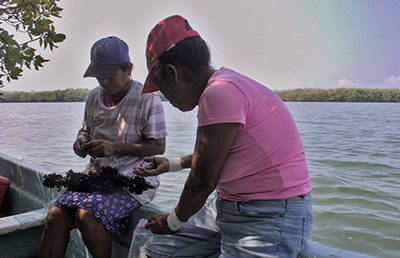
[116, 84]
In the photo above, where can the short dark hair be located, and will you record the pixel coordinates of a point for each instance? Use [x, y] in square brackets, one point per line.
[191, 53]
[124, 66]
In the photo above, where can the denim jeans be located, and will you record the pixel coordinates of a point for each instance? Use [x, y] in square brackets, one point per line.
[258, 228]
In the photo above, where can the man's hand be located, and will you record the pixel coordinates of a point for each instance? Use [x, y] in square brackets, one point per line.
[78, 149]
[157, 166]
[158, 224]
[99, 148]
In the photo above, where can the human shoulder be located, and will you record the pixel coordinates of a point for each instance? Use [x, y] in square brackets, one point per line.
[93, 97]
[135, 96]
[222, 102]
[95, 92]
[222, 85]
[224, 75]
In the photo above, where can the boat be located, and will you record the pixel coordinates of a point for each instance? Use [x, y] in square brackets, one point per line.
[27, 201]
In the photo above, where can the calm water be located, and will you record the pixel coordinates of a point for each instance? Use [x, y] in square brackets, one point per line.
[353, 151]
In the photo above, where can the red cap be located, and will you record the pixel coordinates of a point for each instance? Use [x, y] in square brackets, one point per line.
[163, 37]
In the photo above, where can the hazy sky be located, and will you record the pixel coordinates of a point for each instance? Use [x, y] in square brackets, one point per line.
[282, 44]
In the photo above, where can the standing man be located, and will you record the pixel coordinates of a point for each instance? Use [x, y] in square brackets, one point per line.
[120, 127]
[248, 148]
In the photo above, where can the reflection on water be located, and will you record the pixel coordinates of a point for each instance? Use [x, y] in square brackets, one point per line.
[353, 151]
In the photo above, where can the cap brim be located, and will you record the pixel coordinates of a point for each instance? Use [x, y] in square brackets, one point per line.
[100, 71]
[149, 86]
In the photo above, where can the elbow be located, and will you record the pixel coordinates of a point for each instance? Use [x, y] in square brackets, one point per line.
[204, 187]
[203, 191]
[160, 150]
[161, 146]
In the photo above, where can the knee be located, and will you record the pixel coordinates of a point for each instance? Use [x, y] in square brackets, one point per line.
[59, 217]
[84, 219]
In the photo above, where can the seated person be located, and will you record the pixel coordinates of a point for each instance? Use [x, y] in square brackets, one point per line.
[120, 127]
[248, 149]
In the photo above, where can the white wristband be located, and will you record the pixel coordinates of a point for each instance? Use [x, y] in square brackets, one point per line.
[174, 223]
[174, 164]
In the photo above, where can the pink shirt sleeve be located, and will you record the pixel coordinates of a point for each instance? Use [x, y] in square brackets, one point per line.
[222, 103]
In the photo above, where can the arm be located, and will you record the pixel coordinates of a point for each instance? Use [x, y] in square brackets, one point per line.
[82, 138]
[146, 147]
[186, 161]
[213, 144]
[160, 165]
[212, 147]
[151, 114]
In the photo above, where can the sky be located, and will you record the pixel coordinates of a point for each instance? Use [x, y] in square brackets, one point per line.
[282, 44]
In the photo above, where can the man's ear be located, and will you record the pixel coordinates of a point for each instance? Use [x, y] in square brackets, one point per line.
[171, 73]
[130, 69]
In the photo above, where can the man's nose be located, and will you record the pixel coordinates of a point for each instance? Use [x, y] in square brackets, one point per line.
[103, 81]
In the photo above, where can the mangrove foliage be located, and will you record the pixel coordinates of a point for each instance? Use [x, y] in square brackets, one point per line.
[341, 95]
[297, 95]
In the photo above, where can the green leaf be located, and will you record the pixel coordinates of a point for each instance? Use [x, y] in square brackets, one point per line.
[59, 37]
[46, 22]
[34, 18]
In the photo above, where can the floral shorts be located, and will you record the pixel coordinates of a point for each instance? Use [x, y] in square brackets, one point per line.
[112, 210]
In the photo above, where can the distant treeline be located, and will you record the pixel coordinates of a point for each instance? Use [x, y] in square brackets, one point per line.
[316, 95]
[68, 95]
[341, 95]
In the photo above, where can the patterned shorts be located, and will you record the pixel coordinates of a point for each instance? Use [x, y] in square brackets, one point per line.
[112, 210]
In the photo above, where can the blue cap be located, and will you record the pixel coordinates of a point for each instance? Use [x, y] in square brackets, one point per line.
[106, 56]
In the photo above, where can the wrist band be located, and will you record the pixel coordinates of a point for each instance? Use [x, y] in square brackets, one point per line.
[174, 223]
[174, 164]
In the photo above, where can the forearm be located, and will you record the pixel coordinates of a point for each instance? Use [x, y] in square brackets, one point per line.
[202, 180]
[193, 197]
[212, 147]
[148, 147]
[186, 161]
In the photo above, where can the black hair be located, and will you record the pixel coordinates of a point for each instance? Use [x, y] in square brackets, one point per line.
[191, 54]
[124, 66]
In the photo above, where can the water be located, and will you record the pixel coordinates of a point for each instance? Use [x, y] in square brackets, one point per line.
[353, 151]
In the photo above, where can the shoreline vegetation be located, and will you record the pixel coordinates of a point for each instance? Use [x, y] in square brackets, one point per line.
[296, 95]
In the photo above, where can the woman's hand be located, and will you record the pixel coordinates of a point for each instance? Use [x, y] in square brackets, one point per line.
[158, 224]
[157, 166]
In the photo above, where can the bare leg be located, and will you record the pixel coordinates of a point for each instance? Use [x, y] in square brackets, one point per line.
[59, 222]
[95, 236]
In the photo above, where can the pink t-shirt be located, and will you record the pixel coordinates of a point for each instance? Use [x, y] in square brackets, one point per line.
[267, 159]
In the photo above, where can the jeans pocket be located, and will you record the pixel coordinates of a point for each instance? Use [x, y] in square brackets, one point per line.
[267, 209]
[307, 228]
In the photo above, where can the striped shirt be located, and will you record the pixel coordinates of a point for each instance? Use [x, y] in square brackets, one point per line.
[135, 118]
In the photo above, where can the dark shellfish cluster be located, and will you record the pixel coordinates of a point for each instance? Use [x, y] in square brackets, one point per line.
[107, 180]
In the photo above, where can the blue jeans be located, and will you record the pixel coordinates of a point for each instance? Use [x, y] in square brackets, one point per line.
[259, 228]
